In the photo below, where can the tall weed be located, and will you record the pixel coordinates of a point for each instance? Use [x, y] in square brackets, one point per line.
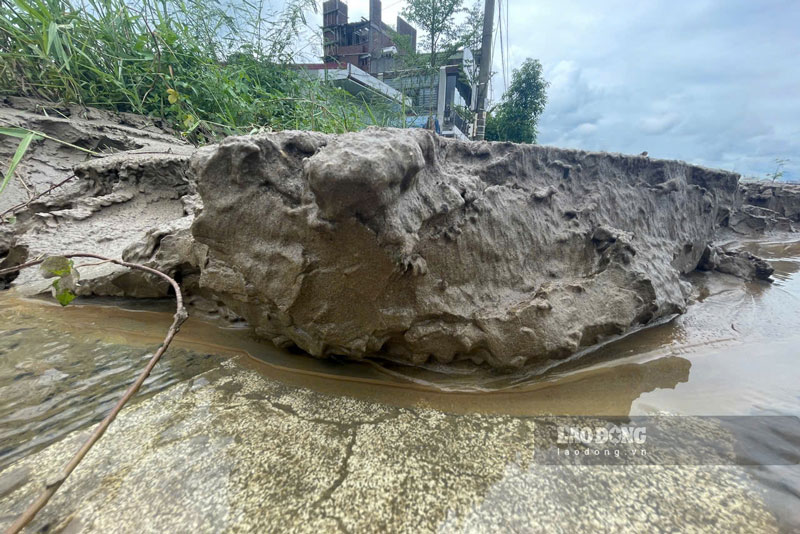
[205, 68]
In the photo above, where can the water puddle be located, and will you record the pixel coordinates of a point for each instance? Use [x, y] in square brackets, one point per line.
[733, 352]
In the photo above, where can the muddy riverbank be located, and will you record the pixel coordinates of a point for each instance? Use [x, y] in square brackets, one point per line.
[235, 434]
[390, 243]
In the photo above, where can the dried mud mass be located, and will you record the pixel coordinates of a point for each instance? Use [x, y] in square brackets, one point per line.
[406, 244]
[131, 188]
[781, 198]
[396, 243]
[768, 206]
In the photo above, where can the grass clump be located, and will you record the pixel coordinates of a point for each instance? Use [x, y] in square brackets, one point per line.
[205, 68]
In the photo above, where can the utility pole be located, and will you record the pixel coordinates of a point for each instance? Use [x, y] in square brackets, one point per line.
[485, 68]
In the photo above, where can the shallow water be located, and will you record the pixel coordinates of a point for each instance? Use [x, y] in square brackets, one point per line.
[735, 352]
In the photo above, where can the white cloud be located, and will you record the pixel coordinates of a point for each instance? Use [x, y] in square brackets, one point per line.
[586, 128]
[658, 124]
[708, 81]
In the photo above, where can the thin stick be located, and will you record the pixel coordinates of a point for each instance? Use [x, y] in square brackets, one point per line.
[13, 209]
[178, 319]
[25, 184]
[95, 264]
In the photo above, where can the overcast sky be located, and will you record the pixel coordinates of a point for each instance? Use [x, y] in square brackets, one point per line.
[713, 82]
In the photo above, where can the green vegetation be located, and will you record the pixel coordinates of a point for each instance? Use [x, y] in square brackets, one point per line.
[25, 138]
[204, 68]
[516, 116]
[436, 19]
[780, 163]
[207, 69]
[442, 36]
[66, 277]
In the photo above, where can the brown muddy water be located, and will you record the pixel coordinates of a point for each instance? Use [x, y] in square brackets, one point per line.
[735, 352]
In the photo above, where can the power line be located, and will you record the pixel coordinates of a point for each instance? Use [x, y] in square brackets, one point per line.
[502, 49]
[508, 48]
[393, 4]
[490, 88]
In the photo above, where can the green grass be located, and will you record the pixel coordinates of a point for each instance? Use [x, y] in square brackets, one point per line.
[206, 69]
[25, 138]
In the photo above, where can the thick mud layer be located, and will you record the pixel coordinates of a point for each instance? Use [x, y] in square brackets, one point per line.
[783, 199]
[130, 186]
[426, 249]
[389, 243]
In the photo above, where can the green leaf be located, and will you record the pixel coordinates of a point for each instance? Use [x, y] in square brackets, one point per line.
[52, 35]
[56, 266]
[23, 132]
[18, 155]
[63, 295]
[64, 287]
[14, 132]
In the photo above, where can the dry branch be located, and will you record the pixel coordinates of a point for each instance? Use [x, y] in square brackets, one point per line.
[22, 205]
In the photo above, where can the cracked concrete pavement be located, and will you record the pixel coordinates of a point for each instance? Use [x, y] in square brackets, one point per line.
[234, 451]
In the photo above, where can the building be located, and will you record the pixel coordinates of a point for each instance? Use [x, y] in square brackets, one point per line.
[370, 46]
[356, 82]
[367, 44]
[440, 94]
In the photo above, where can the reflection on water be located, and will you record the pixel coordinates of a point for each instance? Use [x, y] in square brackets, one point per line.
[733, 352]
[88, 353]
[594, 392]
[54, 380]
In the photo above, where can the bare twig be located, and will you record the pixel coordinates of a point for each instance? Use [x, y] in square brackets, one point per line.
[178, 319]
[28, 188]
[95, 264]
[22, 205]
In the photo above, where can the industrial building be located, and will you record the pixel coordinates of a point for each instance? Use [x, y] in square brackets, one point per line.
[375, 48]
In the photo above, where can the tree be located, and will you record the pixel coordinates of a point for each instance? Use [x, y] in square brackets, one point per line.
[436, 18]
[469, 35]
[516, 116]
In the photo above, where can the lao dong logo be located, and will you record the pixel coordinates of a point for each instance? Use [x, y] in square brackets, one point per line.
[601, 435]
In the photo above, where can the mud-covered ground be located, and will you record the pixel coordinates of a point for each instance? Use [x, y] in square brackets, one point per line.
[131, 188]
[533, 253]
